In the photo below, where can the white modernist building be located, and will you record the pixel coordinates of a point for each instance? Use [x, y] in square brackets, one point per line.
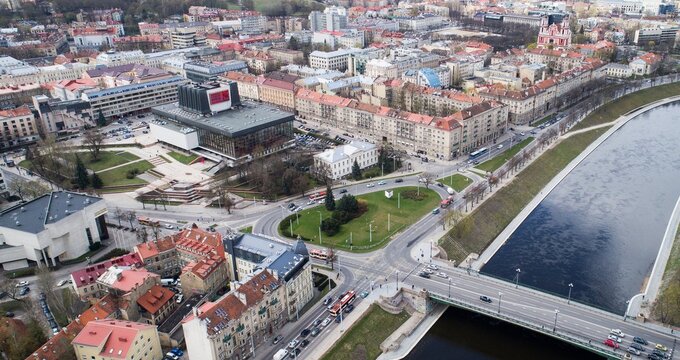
[340, 159]
[57, 226]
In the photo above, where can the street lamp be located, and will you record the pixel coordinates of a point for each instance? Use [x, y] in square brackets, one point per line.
[555, 327]
[517, 278]
[449, 288]
[320, 218]
[397, 280]
[500, 299]
[571, 285]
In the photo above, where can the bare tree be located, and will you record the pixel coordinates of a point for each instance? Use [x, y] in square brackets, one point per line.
[427, 178]
[26, 189]
[452, 217]
[9, 286]
[93, 141]
[119, 215]
[323, 173]
[142, 234]
[493, 180]
[131, 215]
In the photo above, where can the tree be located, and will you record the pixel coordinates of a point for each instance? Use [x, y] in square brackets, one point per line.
[142, 234]
[101, 120]
[96, 181]
[119, 215]
[82, 179]
[330, 226]
[427, 179]
[293, 43]
[26, 189]
[356, 171]
[452, 217]
[348, 204]
[93, 141]
[131, 215]
[330, 199]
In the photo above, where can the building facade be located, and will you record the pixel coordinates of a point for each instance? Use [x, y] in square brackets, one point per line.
[84, 281]
[116, 339]
[340, 159]
[18, 127]
[204, 276]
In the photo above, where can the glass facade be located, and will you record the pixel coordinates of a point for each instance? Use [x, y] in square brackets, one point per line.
[269, 139]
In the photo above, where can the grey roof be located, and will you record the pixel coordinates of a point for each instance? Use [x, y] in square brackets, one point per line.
[247, 118]
[32, 216]
[300, 248]
[270, 254]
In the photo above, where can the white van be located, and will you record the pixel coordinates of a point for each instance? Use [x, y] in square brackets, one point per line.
[281, 354]
[168, 282]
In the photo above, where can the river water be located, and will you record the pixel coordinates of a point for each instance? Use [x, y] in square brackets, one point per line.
[599, 229]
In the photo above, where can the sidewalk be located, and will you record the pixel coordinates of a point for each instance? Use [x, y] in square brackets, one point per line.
[414, 330]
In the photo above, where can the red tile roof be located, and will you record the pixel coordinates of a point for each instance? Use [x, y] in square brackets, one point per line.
[204, 267]
[20, 111]
[280, 84]
[153, 248]
[155, 298]
[114, 337]
[89, 275]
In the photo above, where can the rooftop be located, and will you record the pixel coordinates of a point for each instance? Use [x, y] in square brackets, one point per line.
[34, 215]
[281, 258]
[90, 274]
[155, 298]
[247, 118]
[114, 337]
[124, 278]
[153, 248]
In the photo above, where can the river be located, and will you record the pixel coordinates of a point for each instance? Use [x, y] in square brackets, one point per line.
[600, 229]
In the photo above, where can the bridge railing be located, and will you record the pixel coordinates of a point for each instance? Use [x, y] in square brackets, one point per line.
[546, 328]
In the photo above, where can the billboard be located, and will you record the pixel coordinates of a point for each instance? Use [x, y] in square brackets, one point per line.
[219, 99]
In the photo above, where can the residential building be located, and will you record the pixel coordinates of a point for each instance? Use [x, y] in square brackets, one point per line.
[204, 276]
[202, 71]
[236, 324]
[259, 62]
[435, 78]
[160, 256]
[194, 244]
[61, 118]
[156, 304]
[115, 58]
[279, 93]
[421, 22]
[182, 38]
[117, 339]
[464, 67]
[248, 85]
[340, 159]
[661, 34]
[247, 254]
[619, 70]
[333, 18]
[128, 284]
[332, 60]
[209, 118]
[645, 64]
[557, 60]
[555, 35]
[84, 281]
[57, 226]
[59, 346]
[253, 24]
[94, 37]
[17, 128]
[287, 56]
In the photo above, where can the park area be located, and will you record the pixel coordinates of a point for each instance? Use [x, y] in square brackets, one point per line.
[457, 182]
[363, 339]
[184, 159]
[405, 207]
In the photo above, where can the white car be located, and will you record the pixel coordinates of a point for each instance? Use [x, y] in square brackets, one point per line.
[180, 297]
[433, 267]
[618, 333]
[429, 271]
[442, 275]
[500, 146]
[370, 185]
[22, 284]
[614, 338]
[62, 283]
[326, 321]
[293, 344]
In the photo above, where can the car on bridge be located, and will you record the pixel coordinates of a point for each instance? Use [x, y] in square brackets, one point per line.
[433, 267]
[611, 343]
[486, 299]
[399, 180]
[618, 333]
[640, 340]
[637, 346]
[423, 274]
[442, 275]
[661, 347]
[633, 351]
[614, 338]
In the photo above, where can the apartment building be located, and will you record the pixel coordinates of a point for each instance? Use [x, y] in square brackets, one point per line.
[619, 70]
[287, 56]
[332, 60]
[557, 60]
[17, 127]
[84, 281]
[128, 284]
[248, 85]
[247, 254]
[204, 276]
[194, 244]
[259, 62]
[279, 93]
[117, 339]
[156, 304]
[543, 98]
[464, 67]
[340, 159]
[236, 324]
[160, 256]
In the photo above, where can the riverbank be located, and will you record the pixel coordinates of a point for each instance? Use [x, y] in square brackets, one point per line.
[666, 309]
[495, 214]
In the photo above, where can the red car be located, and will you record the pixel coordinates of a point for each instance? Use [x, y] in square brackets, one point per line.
[611, 343]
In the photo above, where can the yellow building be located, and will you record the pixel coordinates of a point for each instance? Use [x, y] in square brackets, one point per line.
[115, 339]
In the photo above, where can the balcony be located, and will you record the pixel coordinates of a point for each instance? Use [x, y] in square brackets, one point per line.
[240, 328]
[226, 338]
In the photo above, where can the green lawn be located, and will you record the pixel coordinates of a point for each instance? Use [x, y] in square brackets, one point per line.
[184, 159]
[499, 160]
[116, 177]
[363, 339]
[457, 181]
[493, 215]
[666, 308]
[378, 209]
[627, 103]
[26, 164]
[107, 159]
[246, 230]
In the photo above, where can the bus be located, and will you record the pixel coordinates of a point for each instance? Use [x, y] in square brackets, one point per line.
[317, 196]
[143, 220]
[478, 154]
[342, 303]
[321, 254]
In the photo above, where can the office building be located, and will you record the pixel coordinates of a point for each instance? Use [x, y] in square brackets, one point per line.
[658, 35]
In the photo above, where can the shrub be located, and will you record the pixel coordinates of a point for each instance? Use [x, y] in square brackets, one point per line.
[343, 217]
[330, 226]
[132, 173]
[413, 195]
[95, 246]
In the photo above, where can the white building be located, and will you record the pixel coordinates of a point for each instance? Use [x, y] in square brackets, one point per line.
[113, 58]
[332, 60]
[54, 227]
[340, 159]
[619, 70]
[253, 24]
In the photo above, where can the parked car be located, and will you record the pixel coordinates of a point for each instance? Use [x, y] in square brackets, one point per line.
[9, 314]
[180, 297]
[615, 338]
[618, 333]
[177, 351]
[22, 283]
[277, 339]
[486, 299]
[24, 291]
[61, 283]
